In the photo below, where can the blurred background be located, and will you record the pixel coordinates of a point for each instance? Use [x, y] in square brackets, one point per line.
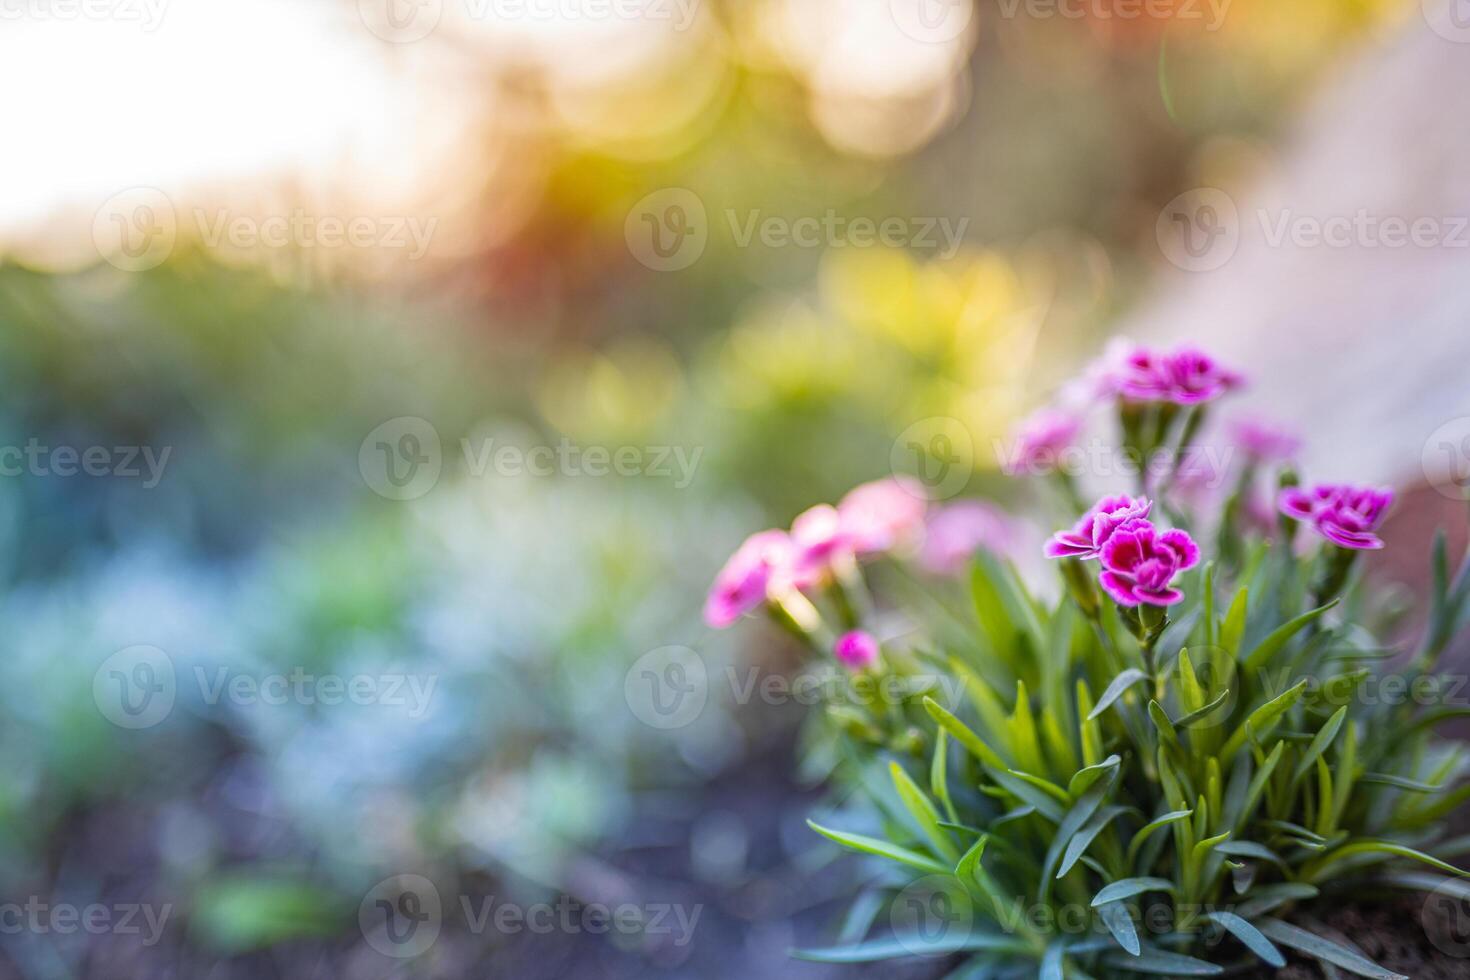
[385, 380]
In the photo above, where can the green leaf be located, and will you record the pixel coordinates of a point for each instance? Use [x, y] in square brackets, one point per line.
[1048, 787]
[1196, 716]
[939, 774]
[924, 812]
[882, 848]
[1262, 720]
[1051, 963]
[1128, 887]
[1234, 627]
[1084, 837]
[1282, 635]
[1074, 821]
[1119, 923]
[1115, 690]
[1265, 899]
[1319, 744]
[1386, 779]
[963, 734]
[1316, 869]
[1250, 936]
[1152, 826]
[1168, 964]
[1083, 778]
[1250, 849]
[1325, 950]
[1161, 721]
[895, 947]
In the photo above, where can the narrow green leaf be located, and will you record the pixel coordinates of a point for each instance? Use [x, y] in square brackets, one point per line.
[1388, 849]
[1083, 778]
[1084, 837]
[1282, 635]
[1115, 690]
[1234, 627]
[1324, 950]
[1152, 826]
[924, 812]
[1262, 720]
[1167, 964]
[1119, 923]
[1250, 936]
[1194, 717]
[1128, 887]
[1319, 744]
[1051, 962]
[963, 734]
[1386, 779]
[882, 848]
[896, 947]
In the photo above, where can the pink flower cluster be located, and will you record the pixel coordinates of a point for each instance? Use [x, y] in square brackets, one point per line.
[1186, 376]
[1344, 514]
[872, 518]
[1040, 442]
[1139, 561]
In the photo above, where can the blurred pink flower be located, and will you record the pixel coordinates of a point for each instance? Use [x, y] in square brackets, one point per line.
[760, 567]
[1140, 563]
[1040, 441]
[1091, 533]
[955, 532]
[884, 514]
[819, 538]
[856, 650]
[1344, 514]
[1187, 376]
[1264, 441]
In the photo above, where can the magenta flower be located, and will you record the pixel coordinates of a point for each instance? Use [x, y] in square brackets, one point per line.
[1140, 563]
[1041, 440]
[1264, 442]
[956, 531]
[856, 649]
[1344, 514]
[819, 540]
[1087, 538]
[1188, 376]
[760, 567]
[884, 514]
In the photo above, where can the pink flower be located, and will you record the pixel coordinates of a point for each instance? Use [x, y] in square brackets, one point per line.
[884, 514]
[1092, 532]
[1344, 514]
[1263, 441]
[1188, 376]
[856, 650]
[1040, 440]
[819, 539]
[760, 567]
[1140, 564]
[956, 531]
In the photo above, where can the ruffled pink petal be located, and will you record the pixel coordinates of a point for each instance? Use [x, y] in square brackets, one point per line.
[1160, 597]
[1064, 544]
[1120, 588]
[1295, 502]
[1355, 540]
[1183, 546]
